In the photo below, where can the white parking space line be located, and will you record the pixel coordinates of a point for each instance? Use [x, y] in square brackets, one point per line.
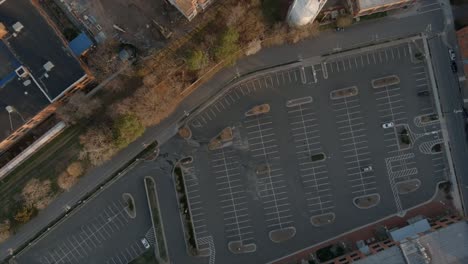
[354, 146]
[232, 193]
[398, 170]
[78, 246]
[269, 177]
[313, 174]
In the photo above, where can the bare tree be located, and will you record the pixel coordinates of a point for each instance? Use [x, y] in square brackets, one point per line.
[236, 13]
[37, 193]
[98, 145]
[65, 181]
[75, 169]
[78, 107]
[104, 59]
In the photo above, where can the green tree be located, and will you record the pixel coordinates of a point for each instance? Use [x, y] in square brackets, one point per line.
[272, 10]
[196, 60]
[227, 44]
[127, 128]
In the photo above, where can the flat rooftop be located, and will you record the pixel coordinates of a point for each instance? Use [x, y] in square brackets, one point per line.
[444, 246]
[35, 45]
[25, 102]
[365, 4]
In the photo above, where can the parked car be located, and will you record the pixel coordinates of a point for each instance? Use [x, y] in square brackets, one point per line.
[339, 29]
[423, 93]
[367, 168]
[454, 67]
[145, 243]
[452, 55]
[388, 125]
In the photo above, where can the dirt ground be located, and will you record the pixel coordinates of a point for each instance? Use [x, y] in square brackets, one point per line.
[135, 17]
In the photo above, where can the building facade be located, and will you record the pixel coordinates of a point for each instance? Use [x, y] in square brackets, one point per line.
[190, 8]
[462, 36]
[368, 7]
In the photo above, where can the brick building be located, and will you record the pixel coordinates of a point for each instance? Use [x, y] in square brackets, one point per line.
[462, 36]
[367, 7]
[190, 8]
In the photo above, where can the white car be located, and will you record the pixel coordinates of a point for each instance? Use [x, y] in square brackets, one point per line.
[388, 125]
[367, 168]
[145, 243]
[452, 55]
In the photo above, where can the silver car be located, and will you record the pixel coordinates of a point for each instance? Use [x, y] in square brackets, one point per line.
[452, 55]
[367, 168]
[145, 243]
[388, 125]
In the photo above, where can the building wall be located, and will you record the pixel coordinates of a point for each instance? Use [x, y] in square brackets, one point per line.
[462, 36]
[381, 8]
[41, 116]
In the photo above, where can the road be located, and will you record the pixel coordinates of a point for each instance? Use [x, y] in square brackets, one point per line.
[402, 24]
[451, 100]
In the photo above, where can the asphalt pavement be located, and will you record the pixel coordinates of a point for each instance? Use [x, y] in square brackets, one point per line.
[410, 23]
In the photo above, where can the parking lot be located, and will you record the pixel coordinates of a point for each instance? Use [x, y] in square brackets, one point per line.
[330, 150]
[101, 231]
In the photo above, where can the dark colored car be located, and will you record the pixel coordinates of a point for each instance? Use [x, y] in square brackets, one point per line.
[423, 93]
[454, 67]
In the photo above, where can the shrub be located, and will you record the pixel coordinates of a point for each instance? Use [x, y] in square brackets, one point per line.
[4, 230]
[344, 21]
[24, 214]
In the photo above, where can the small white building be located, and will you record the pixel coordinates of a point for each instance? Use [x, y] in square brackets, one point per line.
[303, 12]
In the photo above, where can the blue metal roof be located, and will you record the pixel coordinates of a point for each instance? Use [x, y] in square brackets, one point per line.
[80, 44]
[420, 226]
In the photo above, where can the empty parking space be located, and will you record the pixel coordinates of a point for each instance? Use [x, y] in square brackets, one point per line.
[351, 126]
[128, 254]
[354, 128]
[245, 89]
[77, 247]
[233, 200]
[305, 131]
[357, 62]
[270, 185]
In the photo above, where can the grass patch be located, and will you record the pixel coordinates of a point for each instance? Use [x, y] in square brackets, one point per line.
[318, 157]
[153, 203]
